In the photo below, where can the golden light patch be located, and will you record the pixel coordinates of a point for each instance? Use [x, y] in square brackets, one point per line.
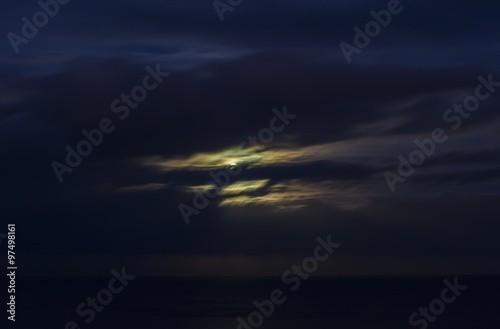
[244, 187]
[279, 155]
[295, 194]
[207, 161]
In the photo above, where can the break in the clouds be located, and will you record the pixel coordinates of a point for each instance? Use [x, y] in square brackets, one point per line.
[323, 173]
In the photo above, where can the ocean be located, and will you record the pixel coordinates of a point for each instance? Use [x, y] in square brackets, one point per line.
[337, 303]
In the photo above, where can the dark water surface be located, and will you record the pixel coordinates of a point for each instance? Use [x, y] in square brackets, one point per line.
[340, 303]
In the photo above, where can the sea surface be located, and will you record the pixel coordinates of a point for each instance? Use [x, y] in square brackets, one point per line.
[337, 303]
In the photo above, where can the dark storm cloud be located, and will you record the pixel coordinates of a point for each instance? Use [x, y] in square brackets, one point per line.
[225, 80]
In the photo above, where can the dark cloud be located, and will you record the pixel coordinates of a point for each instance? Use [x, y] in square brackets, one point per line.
[225, 80]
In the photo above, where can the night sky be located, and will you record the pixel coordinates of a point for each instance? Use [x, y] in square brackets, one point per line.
[324, 172]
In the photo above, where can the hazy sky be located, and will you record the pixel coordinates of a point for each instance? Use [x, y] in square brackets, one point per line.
[322, 174]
